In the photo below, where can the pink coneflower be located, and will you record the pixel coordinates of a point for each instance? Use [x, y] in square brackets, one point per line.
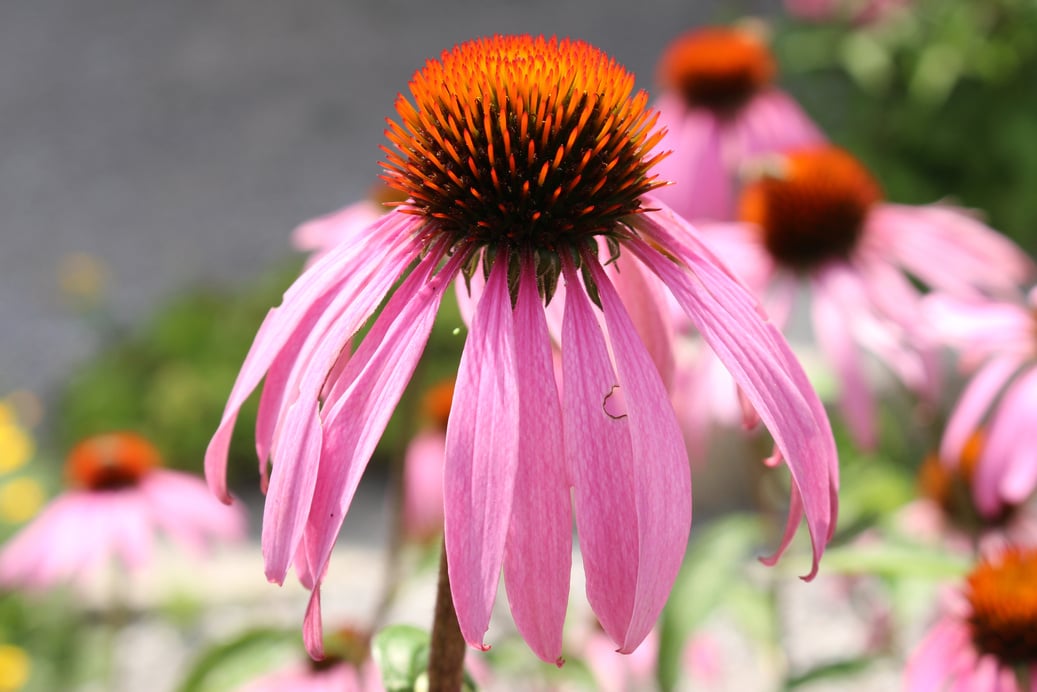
[720, 110]
[815, 218]
[1001, 397]
[525, 159]
[346, 667]
[988, 638]
[120, 500]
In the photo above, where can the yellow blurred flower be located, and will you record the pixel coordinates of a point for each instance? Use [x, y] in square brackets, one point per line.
[82, 278]
[14, 668]
[20, 500]
[16, 445]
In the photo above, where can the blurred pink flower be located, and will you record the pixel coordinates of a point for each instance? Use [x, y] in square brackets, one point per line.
[987, 639]
[815, 217]
[121, 501]
[856, 11]
[614, 672]
[702, 660]
[720, 111]
[1001, 397]
[423, 467]
[493, 189]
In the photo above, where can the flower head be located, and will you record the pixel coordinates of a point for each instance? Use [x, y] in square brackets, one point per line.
[721, 110]
[119, 501]
[528, 168]
[990, 635]
[815, 216]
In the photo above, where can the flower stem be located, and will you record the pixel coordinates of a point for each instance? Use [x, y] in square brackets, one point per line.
[447, 648]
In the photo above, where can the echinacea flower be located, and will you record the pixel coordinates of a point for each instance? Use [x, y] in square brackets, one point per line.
[721, 110]
[815, 218]
[988, 638]
[1001, 397]
[525, 160]
[346, 667]
[120, 500]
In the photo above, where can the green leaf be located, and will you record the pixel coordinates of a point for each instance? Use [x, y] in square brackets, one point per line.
[401, 652]
[247, 656]
[895, 561]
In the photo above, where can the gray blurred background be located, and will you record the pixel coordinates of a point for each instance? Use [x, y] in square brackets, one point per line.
[180, 142]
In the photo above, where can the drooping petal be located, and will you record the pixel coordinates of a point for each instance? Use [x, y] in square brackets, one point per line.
[1006, 471]
[772, 122]
[760, 360]
[930, 665]
[481, 457]
[302, 307]
[598, 454]
[973, 404]
[662, 476]
[538, 555]
[362, 401]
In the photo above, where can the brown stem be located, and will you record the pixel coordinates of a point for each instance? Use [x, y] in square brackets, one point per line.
[447, 648]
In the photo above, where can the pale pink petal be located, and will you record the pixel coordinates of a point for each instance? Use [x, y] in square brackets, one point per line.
[973, 404]
[662, 479]
[702, 179]
[980, 328]
[949, 249]
[1007, 468]
[929, 666]
[323, 233]
[773, 122]
[182, 506]
[481, 457]
[832, 329]
[538, 553]
[600, 460]
[761, 363]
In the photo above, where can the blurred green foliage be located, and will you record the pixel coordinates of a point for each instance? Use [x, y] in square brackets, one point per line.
[939, 100]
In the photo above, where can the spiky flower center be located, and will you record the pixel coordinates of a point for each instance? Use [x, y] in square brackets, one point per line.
[811, 205]
[111, 461]
[1003, 595]
[717, 68]
[523, 144]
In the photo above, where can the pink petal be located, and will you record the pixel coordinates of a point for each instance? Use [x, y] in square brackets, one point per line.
[762, 364]
[313, 627]
[662, 478]
[601, 465]
[832, 331]
[973, 404]
[929, 666]
[538, 555]
[481, 457]
[364, 397]
[702, 179]
[772, 122]
[1007, 470]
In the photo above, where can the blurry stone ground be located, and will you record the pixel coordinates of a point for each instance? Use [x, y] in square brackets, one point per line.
[178, 143]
